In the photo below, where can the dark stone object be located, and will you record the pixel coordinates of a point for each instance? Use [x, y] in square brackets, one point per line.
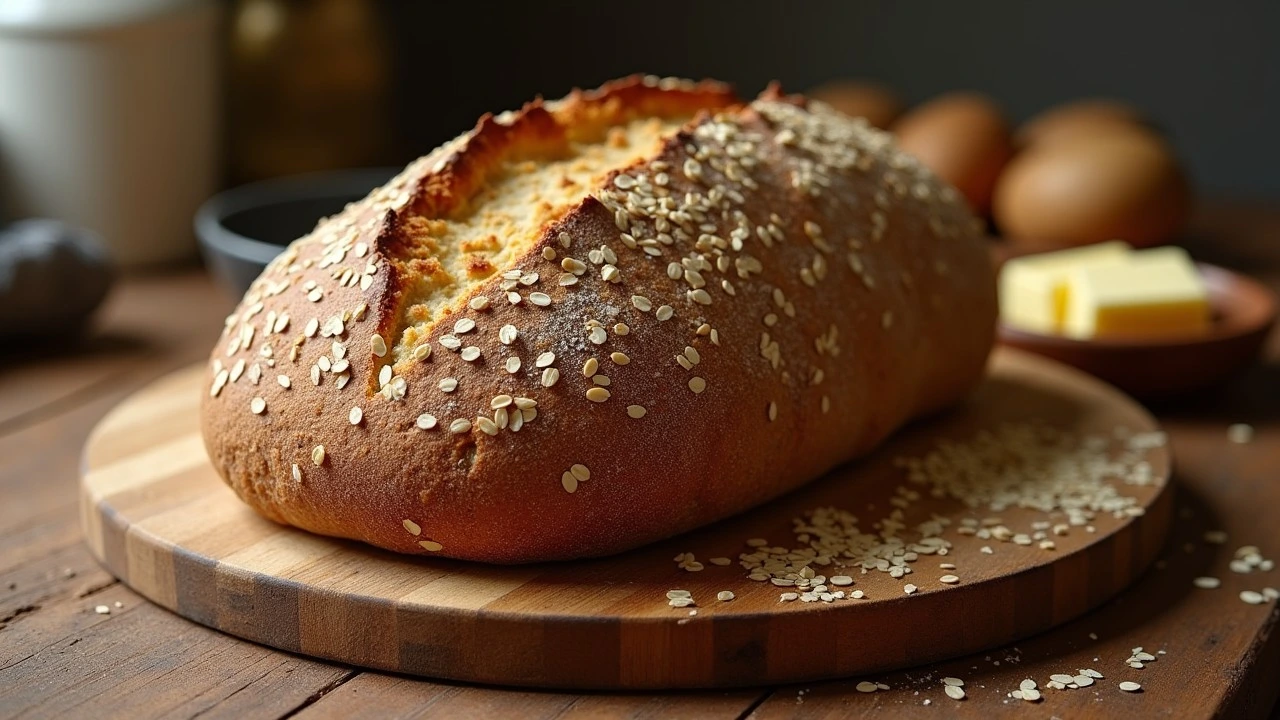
[52, 277]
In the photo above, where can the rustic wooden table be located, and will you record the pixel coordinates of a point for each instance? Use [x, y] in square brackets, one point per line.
[60, 657]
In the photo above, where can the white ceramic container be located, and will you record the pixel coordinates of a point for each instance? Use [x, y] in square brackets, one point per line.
[109, 118]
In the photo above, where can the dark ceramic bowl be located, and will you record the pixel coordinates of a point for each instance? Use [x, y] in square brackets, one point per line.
[242, 229]
[1244, 312]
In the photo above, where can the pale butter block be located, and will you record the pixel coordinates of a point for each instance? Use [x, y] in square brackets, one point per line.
[1033, 289]
[1155, 294]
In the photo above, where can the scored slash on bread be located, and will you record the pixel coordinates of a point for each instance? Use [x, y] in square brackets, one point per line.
[597, 322]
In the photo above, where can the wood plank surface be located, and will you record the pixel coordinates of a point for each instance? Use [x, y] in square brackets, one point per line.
[58, 657]
[156, 513]
[42, 607]
[377, 696]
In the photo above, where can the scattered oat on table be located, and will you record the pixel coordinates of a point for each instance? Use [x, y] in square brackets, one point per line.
[1252, 597]
[680, 598]
[1248, 559]
[686, 561]
[1240, 433]
[1139, 658]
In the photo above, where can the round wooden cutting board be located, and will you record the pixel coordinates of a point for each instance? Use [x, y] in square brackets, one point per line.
[156, 514]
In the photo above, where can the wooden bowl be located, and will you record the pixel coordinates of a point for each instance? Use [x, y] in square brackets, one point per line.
[1244, 311]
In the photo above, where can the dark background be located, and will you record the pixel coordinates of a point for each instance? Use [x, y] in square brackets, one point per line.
[1208, 72]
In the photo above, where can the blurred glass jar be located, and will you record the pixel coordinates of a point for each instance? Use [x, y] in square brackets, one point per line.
[109, 118]
[308, 87]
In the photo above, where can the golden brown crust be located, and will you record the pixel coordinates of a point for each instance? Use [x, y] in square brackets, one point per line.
[854, 294]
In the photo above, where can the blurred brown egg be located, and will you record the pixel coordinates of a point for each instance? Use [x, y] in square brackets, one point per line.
[1123, 184]
[1081, 117]
[877, 103]
[963, 138]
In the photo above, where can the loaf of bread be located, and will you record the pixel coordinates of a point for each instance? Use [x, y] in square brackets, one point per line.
[598, 322]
